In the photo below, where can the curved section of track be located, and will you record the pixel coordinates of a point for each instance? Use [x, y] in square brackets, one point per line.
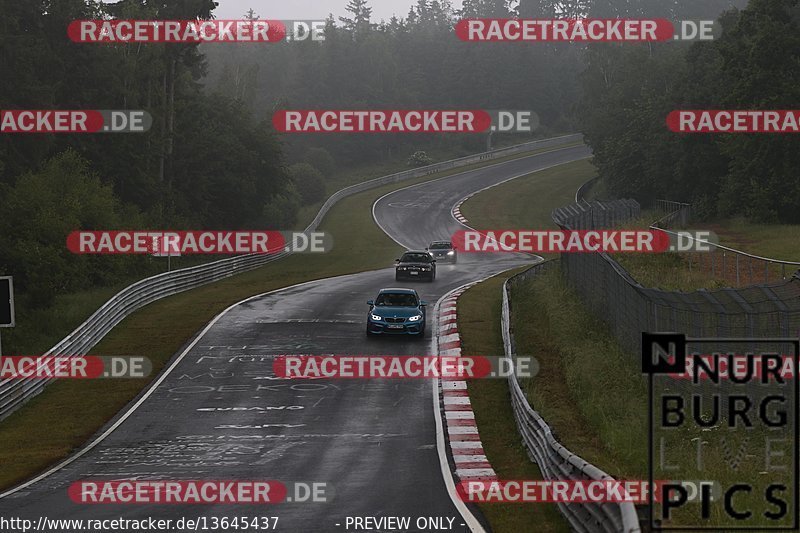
[220, 413]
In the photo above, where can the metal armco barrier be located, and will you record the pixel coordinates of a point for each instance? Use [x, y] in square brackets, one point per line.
[554, 460]
[15, 392]
[628, 308]
[742, 268]
[581, 192]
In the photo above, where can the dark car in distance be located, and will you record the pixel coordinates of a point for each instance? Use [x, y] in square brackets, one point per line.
[396, 311]
[415, 264]
[443, 251]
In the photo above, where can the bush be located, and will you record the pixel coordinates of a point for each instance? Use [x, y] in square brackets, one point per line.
[308, 181]
[322, 160]
[419, 159]
[40, 210]
[280, 213]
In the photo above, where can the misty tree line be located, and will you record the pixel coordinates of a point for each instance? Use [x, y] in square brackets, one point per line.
[416, 61]
[754, 64]
[211, 159]
[206, 162]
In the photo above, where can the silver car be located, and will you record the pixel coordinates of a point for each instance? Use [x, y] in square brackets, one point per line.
[443, 251]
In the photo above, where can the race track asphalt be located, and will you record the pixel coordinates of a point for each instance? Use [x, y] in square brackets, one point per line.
[373, 442]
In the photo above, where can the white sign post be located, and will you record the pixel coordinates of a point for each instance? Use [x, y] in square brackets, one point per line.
[6, 305]
[164, 248]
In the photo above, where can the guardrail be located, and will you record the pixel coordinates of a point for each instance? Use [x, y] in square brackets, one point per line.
[581, 192]
[554, 460]
[733, 263]
[723, 261]
[609, 292]
[596, 214]
[15, 392]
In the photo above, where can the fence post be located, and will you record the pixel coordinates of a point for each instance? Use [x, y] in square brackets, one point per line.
[724, 272]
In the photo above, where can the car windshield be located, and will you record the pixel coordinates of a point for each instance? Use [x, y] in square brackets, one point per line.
[397, 299]
[440, 246]
[415, 258]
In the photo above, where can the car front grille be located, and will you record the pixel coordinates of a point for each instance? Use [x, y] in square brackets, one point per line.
[393, 320]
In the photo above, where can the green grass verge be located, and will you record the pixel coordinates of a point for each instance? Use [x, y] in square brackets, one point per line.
[58, 421]
[342, 180]
[568, 347]
[596, 191]
[526, 202]
[594, 396]
[556, 329]
[778, 241]
[692, 271]
[523, 202]
[667, 271]
[590, 391]
[479, 311]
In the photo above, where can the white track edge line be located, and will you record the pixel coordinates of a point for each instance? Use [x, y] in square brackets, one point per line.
[375, 203]
[153, 386]
[470, 195]
[83, 451]
[470, 519]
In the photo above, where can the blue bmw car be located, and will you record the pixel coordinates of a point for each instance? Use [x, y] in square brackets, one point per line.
[396, 312]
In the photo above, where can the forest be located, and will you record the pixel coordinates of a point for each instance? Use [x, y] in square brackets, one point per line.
[754, 64]
[212, 160]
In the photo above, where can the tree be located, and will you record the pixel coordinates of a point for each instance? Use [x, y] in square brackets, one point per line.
[753, 65]
[761, 66]
[281, 210]
[419, 159]
[309, 183]
[40, 210]
[321, 159]
[485, 9]
[359, 23]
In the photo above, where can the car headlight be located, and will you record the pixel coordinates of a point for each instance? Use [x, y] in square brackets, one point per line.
[415, 318]
[426, 268]
[375, 317]
[451, 252]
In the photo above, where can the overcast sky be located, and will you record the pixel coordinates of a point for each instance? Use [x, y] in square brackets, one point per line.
[310, 9]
